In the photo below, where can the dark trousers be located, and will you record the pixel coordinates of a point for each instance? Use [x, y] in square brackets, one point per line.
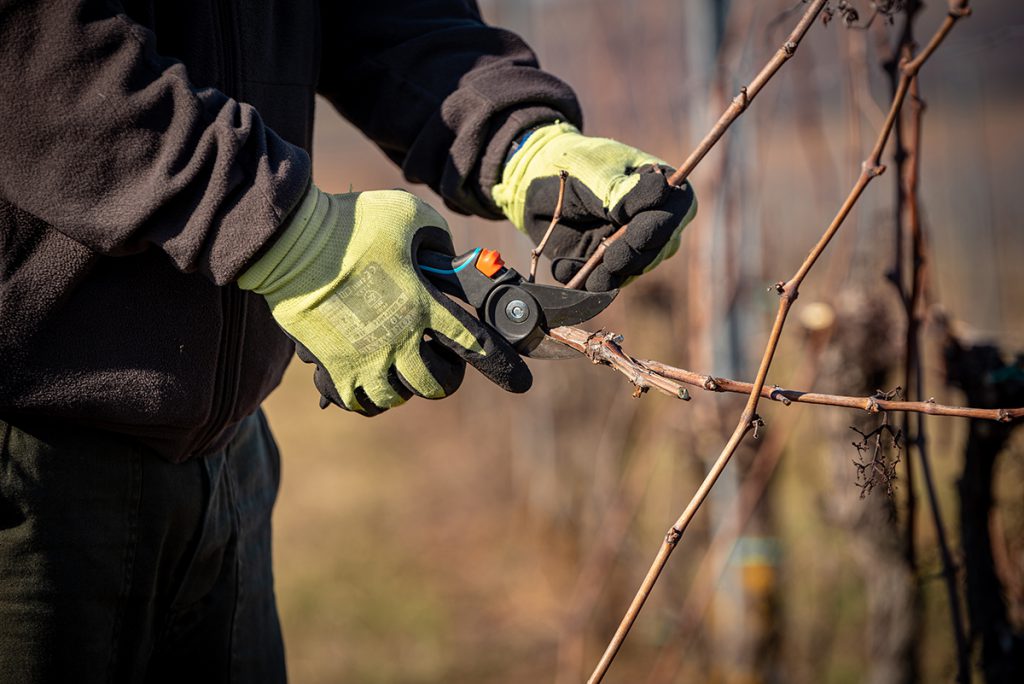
[116, 566]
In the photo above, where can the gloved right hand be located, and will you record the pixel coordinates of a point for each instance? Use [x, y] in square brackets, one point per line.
[341, 280]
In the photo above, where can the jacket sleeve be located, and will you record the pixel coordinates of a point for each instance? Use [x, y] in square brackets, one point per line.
[108, 142]
[442, 93]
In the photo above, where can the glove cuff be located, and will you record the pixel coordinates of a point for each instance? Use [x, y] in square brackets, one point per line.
[510, 193]
[293, 239]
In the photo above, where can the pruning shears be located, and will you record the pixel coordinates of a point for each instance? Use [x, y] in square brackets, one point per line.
[520, 311]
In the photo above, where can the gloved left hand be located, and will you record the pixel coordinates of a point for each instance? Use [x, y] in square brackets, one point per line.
[609, 185]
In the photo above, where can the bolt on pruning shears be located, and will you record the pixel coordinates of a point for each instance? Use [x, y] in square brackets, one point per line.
[520, 311]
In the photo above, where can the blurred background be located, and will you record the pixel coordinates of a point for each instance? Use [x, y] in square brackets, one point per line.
[492, 538]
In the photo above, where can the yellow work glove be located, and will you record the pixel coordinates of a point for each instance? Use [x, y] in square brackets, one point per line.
[609, 185]
[342, 281]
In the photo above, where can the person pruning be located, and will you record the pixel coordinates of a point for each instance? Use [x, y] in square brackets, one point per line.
[163, 251]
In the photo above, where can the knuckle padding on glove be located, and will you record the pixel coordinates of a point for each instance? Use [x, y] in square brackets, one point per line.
[643, 241]
[650, 191]
[647, 235]
[602, 280]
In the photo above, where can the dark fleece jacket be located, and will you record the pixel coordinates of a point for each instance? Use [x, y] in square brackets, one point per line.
[149, 151]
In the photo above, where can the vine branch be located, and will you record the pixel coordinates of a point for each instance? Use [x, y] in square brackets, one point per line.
[909, 240]
[788, 292]
[535, 253]
[739, 104]
[605, 348]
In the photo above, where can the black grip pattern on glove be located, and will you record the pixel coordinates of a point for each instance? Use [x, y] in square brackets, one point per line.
[653, 209]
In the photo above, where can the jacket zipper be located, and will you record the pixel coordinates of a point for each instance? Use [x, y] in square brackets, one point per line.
[233, 300]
